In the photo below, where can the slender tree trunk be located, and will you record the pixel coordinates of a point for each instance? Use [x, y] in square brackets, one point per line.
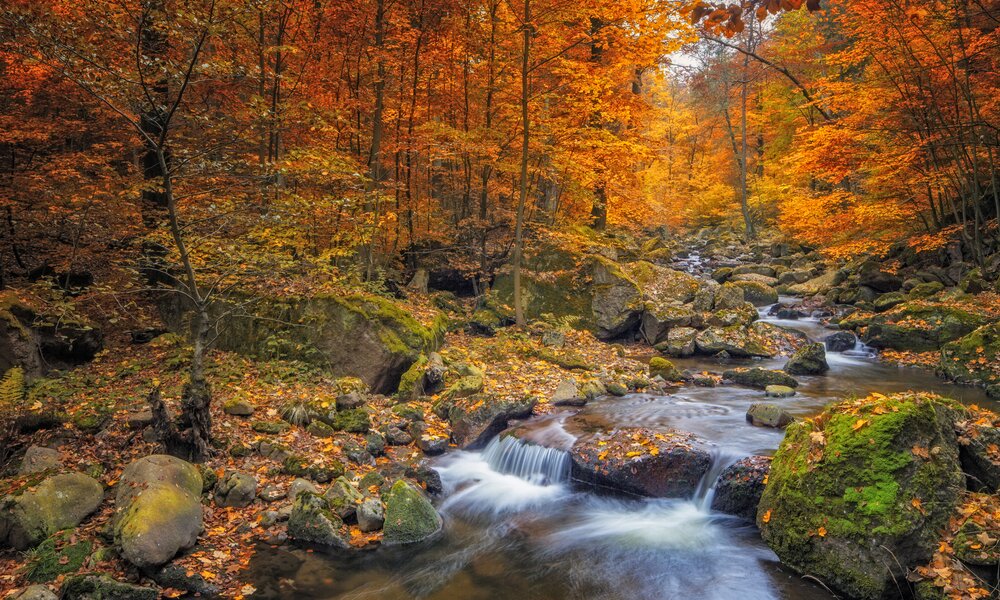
[523, 197]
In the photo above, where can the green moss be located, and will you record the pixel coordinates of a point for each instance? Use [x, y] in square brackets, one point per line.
[410, 382]
[664, 368]
[57, 555]
[269, 427]
[354, 420]
[853, 473]
[974, 358]
[409, 516]
[409, 412]
[567, 360]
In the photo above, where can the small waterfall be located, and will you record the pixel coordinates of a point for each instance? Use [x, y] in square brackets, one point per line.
[537, 464]
[860, 350]
[705, 492]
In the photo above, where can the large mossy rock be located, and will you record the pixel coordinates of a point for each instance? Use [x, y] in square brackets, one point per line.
[920, 327]
[476, 419]
[617, 305]
[554, 282]
[975, 359]
[409, 515]
[642, 462]
[858, 495]
[759, 378]
[313, 521]
[757, 293]
[737, 341]
[817, 285]
[59, 502]
[360, 335]
[158, 510]
[808, 360]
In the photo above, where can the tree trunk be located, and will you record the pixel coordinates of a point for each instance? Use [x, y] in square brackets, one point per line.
[519, 223]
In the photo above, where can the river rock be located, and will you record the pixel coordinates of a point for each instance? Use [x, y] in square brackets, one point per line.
[59, 502]
[102, 587]
[817, 285]
[238, 408]
[235, 489]
[343, 498]
[919, 327]
[371, 515]
[38, 458]
[177, 577]
[808, 360]
[729, 296]
[642, 462]
[476, 419]
[779, 391]
[680, 342]
[757, 293]
[973, 359]
[158, 510]
[759, 378]
[871, 275]
[764, 414]
[859, 495]
[740, 485]
[409, 516]
[736, 341]
[299, 486]
[663, 368]
[568, 394]
[840, 341]
[312, 521]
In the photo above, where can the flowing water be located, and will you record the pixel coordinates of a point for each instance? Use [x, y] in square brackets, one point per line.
[517, 529]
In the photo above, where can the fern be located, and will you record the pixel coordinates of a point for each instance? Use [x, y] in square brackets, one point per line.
[12, 388]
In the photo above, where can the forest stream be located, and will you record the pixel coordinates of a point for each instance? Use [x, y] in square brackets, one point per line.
[516, 526]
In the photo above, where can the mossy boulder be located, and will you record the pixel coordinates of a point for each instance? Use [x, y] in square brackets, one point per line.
[235, 489]
[744, 315]
[659, 366]
[476, 419]
[680, 342]
[810, 359]
[759, 378]
[352, 420]
[361, 335]
[57, 503]
[925, 290]
[554, 281]
[158, 510]
[737, 341]
[312, 521]
[659, 319]
[343, 498]
[617, 300]
[975, 358]
[920, 327]
[740, 487]
[886, 301]
[817, 285]
[757, 293]
[409, 515]
[779, 391]
[764, 414]
[729, 296]
[102, 587]
[858, 495]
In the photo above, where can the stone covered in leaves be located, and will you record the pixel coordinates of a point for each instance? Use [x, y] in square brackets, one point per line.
[857, 496]
[476, 419]
[740, 486]
[975, 359]
[409, 515]
[920, 327]
[642, 462]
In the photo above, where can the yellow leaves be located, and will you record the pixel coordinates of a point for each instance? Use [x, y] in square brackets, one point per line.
[918, 505]
[602, 455]
[208, 575]
[767, 517]
[817, 438]
[821, 532]
[859, 424]
[632, 454]
[921, 452]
